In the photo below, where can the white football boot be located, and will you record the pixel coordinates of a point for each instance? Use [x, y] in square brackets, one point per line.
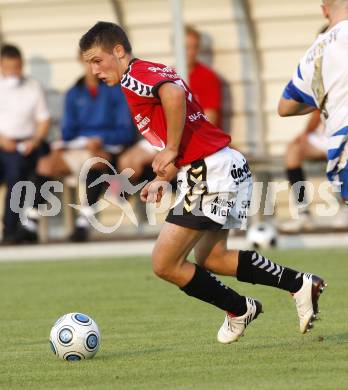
[306, 300]
[233, 327]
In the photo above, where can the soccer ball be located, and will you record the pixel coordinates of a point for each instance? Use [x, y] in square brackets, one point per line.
[262, 236]
[75, 336]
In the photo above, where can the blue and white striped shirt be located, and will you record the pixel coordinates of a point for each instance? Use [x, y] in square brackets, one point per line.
[321, 80]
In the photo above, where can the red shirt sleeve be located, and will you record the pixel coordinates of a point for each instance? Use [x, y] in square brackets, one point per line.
[152, 76]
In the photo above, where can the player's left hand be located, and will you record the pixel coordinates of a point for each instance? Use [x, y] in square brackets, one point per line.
[152, 192]
[162, 160]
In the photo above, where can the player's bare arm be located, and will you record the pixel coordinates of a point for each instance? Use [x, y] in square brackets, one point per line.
[313, 123]
[174, 105]
[290, 107]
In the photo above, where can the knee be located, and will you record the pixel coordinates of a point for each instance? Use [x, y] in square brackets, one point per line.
[160, 269]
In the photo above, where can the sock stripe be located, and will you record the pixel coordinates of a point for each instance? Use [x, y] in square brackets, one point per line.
[281, 273]
[254, 256]
[256, 269]
[258, 258]
[218, 280]
[277, 271]
[266, 265]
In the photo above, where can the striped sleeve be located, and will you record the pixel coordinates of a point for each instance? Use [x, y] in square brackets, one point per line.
[299, 89]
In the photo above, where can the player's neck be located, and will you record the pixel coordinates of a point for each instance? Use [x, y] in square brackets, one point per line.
[335, 19]
[125, 62]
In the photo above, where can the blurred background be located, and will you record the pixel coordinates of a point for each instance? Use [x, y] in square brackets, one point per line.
[253, 46]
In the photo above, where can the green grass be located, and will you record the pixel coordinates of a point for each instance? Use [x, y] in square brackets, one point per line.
[155, 337]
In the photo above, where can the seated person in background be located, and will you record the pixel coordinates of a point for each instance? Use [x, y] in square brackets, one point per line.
[311, 144]
[24, 124]
[207, 88]
[96, 123]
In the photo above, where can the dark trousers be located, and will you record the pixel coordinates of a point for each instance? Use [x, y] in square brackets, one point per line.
[14, 168]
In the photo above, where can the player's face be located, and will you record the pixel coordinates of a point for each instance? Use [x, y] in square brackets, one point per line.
[104, 65]
[11, 67]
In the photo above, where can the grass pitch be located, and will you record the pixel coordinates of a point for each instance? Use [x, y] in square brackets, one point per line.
[155, 337]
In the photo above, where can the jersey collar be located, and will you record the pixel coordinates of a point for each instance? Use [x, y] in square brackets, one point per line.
[129, 65]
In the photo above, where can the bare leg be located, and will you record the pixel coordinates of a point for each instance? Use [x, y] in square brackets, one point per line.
[171, 250]
[212, 254]
[169, 263]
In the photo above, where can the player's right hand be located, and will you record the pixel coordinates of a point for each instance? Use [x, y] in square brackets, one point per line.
[162, 160]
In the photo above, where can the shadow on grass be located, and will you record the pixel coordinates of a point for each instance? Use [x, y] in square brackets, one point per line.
[298, 343]
[338, 338]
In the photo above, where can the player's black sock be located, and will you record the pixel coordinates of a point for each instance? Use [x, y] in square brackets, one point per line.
[256, 269]
[297, 175]
[206, 287]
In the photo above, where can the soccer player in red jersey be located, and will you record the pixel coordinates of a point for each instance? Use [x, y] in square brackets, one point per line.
[214, 188]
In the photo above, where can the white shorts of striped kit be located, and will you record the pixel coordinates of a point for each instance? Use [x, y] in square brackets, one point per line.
[213, 193]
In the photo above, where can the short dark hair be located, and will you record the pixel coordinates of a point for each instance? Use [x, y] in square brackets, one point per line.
[106, 35]
[10, 51]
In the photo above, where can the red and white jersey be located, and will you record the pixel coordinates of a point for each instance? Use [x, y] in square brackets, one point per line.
[140, 83]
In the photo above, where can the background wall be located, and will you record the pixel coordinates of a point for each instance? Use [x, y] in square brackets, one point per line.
[244, 41]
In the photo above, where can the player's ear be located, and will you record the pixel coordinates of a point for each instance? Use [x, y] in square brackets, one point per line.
[118, 51]
[325, 11]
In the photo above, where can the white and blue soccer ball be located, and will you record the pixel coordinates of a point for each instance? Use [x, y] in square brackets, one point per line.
[75, 336]
[262, 236]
